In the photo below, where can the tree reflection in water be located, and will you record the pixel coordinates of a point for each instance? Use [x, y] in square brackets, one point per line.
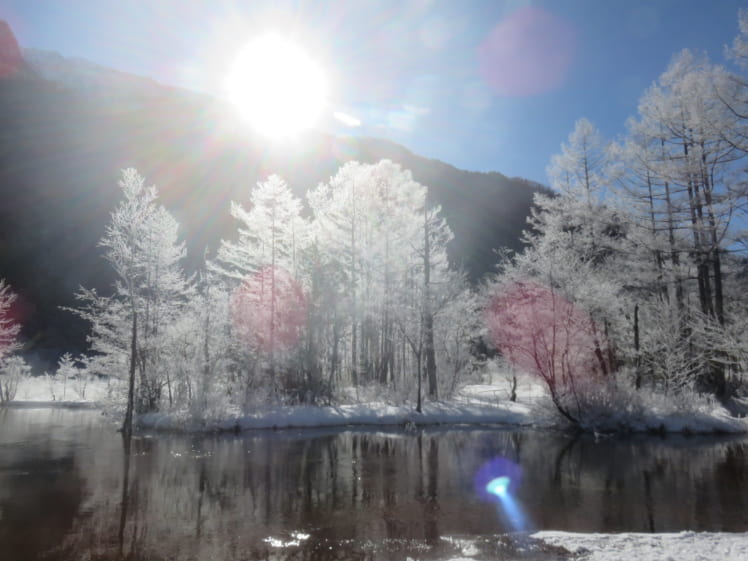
[316, 495]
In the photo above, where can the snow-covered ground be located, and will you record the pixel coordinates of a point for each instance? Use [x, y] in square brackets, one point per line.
[683, 546]
[54, 391]
[474, 404]
[373, 413]
[549, 546]
[484, 403]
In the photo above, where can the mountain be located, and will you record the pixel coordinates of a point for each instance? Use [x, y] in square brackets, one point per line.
[11, 59]
[67, 128]
[95, 80]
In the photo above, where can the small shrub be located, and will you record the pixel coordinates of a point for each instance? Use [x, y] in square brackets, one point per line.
[13, 369]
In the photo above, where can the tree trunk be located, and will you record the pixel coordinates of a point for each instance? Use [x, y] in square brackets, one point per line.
[674, 256]
[206, 352]
[418, 374]
[428, 317]
[637, 364]
[272, 301]
[127, 424]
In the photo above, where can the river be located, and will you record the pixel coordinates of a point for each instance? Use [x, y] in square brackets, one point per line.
[69, 491]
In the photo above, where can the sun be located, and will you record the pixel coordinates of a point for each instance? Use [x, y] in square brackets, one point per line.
[276, 86]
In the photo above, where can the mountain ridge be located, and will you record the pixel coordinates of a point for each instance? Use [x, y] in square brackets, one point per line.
[61, 150]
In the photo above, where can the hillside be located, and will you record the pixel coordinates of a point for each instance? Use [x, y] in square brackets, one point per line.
[63, 142]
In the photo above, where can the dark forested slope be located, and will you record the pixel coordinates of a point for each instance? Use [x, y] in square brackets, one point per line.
[62, 148]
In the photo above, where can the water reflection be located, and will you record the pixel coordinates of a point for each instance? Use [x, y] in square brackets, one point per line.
[69, 489]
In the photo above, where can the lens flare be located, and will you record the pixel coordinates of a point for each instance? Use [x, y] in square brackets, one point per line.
[528, 53]
[498, 486]
[495, 482]
[496, 478]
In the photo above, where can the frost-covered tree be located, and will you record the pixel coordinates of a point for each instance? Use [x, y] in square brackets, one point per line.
[581, 174]
[13, 369]
[259, 266]
[200, 350]
[9, 327]
[686, 145]
[640, 235]
[293, 309]
[271, 232]
[457, 326]
[581, 168]
[544, 334]
[387, 247]
[733, 93]
[578, 239]
[131, 328]
[738, 51]
[339, 210]
[690, 122]
[66, 371]
[324, 342]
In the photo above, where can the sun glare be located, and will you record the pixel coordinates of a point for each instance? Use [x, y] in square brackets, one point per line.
[276, 87]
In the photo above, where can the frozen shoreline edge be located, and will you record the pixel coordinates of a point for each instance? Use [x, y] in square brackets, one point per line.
[510, 415]
[30, 404]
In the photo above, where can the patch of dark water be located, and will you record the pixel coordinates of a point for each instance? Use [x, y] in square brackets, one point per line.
[68, 491]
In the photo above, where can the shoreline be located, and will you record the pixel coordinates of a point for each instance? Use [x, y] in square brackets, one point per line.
[30, 404]
[368, 416]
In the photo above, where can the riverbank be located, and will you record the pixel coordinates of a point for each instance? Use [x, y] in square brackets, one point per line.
[681, 546]
[361, 414]
[717, 421]
[476, 404]
[37, 404]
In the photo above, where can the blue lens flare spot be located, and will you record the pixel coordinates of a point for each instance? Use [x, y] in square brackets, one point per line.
[498, 486]
[498, 478]
[498, 481]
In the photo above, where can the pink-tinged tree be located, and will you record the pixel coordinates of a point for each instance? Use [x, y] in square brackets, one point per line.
[269, 310]
[270, 237]
[542, 333]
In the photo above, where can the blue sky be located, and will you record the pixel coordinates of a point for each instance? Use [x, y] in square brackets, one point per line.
[494, 85]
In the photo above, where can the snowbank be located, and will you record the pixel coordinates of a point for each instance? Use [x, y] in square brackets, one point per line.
[364, 414]
[462, 410]
[717, 421]
[475, 404]
[683, 546]
[54, 392]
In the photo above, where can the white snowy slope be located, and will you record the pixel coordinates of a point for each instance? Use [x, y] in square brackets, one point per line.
[683, 546]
